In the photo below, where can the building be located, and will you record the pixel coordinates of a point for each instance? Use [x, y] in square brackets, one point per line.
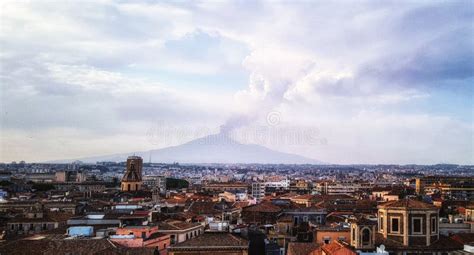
[180, 231]
[455, 226]
[70, 176]
[263, 213]
[96, 220]
[325, 235]
[278, 185]
[342, 188]
[41, 177]
[35, 222]
[469, 213]
[212, 243]
[258, 191]
[141, 236]
[132, 179]
[306, 199]
[313, 215]
[363, 234]
[155, 182]
[226, 186]
[409, 222]
[460, 188]
[300, 186]
[411, 226]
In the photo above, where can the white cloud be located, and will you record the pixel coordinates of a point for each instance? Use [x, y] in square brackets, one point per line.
[358, 70]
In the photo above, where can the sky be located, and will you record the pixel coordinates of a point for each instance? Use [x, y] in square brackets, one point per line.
[344, 82]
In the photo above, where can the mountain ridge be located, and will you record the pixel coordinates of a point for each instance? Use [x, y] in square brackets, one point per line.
[217, 148]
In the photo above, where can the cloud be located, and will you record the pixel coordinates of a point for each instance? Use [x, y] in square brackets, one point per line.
[109, 68]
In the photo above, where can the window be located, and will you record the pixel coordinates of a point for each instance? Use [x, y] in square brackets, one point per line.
[326, 239]
[416, 225]
[365, 236]
[305, 218]
[353, 234]
[381, 223]
[433, 225]
[395, 225]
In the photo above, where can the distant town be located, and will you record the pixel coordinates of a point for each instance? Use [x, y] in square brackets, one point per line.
[134, 207]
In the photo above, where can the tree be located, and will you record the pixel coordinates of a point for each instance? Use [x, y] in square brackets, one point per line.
[172, 183]
[42, 186]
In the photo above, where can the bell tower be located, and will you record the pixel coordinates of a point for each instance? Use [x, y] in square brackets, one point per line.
[132, 179]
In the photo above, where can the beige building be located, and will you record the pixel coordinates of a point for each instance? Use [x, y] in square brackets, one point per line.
[132, 179]
[409, 222]
[362, 236]
[469, 214]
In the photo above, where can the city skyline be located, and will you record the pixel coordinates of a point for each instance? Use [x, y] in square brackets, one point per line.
[378, 82]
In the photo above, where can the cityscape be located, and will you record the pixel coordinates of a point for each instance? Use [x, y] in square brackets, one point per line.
[206, 127]
[151, 208]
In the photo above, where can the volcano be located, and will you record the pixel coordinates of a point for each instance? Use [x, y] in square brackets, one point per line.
[216, 148]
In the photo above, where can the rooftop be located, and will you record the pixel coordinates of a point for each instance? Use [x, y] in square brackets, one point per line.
[335, 246]
[407, 204]
[211, 241]
[176, 225]
[263, 207]
[303, 248]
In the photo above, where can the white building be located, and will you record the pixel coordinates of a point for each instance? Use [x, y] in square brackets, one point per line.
[258, 190]
[155, 181]
[283, 184]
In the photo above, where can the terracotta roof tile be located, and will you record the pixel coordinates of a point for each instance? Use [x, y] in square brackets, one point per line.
[209, 241]
[408, 204]
[304, 249]
[263, 207]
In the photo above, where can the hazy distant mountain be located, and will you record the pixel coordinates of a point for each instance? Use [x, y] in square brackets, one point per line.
[210, 149]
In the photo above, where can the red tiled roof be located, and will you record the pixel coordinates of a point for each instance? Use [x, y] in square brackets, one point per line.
[210, 241]
[335, 246]
[407, 204]
[303, 248]
[305, 196]
[263, 207]
[176, 225]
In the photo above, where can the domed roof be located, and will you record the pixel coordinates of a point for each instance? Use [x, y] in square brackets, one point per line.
[131, 175]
